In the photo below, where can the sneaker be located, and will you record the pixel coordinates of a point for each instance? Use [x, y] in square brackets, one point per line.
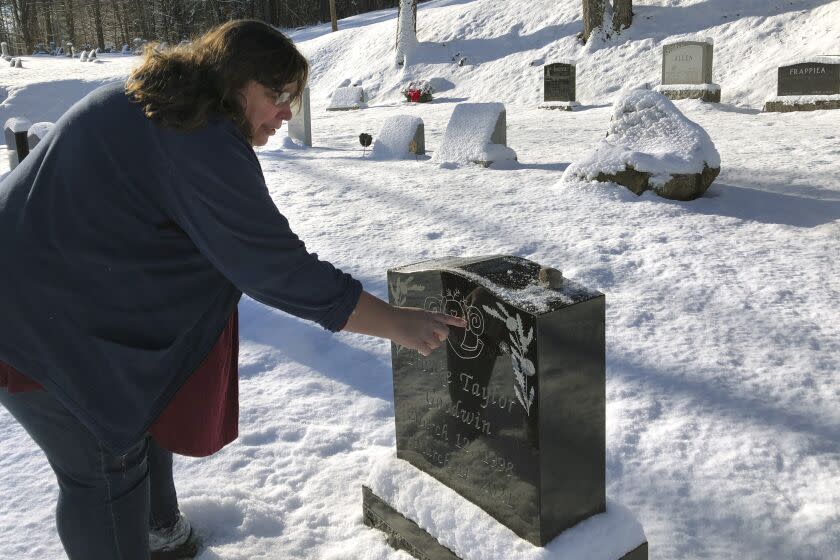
[173, 543]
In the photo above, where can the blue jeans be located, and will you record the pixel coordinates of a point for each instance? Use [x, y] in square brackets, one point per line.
[106, 502]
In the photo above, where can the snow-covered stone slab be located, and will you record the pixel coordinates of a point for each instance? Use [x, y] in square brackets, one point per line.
[476, 133]
[430, 520]
[347, 98]
[14, 132]
[37, 132]
[401, 136]
[300, 127]
[651, 145]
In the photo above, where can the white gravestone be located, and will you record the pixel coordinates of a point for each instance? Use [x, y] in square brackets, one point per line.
[300, 127]
[401, 137]
[687, 70]
[5, 47]
[347, 98]
[476, 133]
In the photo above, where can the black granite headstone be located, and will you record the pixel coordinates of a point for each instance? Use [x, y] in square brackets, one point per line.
[809, 78]
[510, 413]
[559, 82]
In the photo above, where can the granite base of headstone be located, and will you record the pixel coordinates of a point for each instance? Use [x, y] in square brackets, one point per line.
[347, 99]
[508, 417]
[810, 85]
[300, 127]
[559, 86]
[687, 70]
[15, 131]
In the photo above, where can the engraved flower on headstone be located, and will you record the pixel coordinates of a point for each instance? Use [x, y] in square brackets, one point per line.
[523, 368]
[470, 345]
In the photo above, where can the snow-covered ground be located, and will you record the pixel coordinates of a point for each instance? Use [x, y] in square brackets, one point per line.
[723, 336]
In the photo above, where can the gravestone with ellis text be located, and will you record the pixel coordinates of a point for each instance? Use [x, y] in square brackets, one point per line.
[510, 411]
[687, 71]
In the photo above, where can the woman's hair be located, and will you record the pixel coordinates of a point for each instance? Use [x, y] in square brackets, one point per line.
[183, 87]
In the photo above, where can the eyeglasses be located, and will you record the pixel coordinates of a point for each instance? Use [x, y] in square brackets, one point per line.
[280, 96]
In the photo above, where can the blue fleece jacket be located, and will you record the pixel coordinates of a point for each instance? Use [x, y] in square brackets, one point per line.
[126, 245]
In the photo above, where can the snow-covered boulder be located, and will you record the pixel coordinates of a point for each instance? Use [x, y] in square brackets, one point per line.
[651, 145]
[347, 98]
[402, 136]
[476, 133]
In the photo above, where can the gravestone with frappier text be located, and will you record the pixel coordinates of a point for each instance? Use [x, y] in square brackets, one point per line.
[559, 85]
[687, 70]
[807, 85]
[510, 411]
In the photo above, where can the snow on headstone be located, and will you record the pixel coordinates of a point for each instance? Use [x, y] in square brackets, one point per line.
[18, 63]
[83, 56]
[91, 55]
[14, 131]
[347, 98]
[650, 144]
[406, 34]
[300, 127]
[12, 62]
[401, 136]
[476, 133]
[37, 132]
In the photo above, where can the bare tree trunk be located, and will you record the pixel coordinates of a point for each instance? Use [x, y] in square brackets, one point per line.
[97, 24]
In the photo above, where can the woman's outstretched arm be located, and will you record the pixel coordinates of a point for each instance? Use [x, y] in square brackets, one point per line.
[407, 326]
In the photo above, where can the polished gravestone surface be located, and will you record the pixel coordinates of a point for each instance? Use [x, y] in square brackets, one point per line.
[559, 82]
[510, 413]
[809, 78]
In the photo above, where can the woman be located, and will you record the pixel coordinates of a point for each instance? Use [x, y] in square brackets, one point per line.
[129, 235]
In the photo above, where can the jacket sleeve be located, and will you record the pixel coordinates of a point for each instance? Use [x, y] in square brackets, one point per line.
[221, 201]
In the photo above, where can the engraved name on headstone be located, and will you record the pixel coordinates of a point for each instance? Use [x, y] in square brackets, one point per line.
[510, 412]
[809, 78]
[687, 62]
[559, 82]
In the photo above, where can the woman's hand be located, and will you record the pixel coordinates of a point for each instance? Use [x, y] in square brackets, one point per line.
[410, 327]
[422, 330]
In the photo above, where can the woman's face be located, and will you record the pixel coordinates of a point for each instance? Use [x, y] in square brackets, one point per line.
[266, 109]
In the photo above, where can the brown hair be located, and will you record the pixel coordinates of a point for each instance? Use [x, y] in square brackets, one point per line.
[184, 86]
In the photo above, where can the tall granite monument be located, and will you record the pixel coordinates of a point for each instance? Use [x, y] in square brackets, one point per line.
[510, 412]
